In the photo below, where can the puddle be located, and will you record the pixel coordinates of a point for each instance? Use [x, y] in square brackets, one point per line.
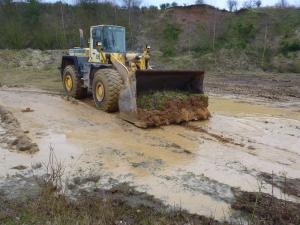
[234, 107]
[183, 167]
[64, 151]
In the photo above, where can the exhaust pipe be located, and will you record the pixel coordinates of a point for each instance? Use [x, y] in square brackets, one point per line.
[81, 38]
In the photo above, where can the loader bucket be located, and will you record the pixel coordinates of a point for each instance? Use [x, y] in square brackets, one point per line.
[153, 80]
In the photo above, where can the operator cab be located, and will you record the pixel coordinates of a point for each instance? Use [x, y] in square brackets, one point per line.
[111, 38]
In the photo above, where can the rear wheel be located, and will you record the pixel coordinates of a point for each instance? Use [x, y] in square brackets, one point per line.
[107, 85]
[72, 83]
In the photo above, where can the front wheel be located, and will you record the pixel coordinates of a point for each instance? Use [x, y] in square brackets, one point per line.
[107, 85]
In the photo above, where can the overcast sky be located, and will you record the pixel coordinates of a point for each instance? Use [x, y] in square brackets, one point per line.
[219, 3]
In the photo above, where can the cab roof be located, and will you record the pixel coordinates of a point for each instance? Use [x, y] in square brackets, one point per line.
[106, 26]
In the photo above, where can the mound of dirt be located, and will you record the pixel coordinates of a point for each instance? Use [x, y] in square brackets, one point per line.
[13, 135]
[166, 108]
[30, 59]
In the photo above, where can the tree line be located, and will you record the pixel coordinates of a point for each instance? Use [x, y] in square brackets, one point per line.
[32, 24]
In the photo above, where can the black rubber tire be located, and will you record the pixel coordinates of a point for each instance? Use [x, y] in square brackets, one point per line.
[112, 83]
[77, 90]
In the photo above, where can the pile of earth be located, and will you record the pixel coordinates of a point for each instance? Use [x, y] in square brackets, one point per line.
[171, 107]
[12, 135]
[30, 59]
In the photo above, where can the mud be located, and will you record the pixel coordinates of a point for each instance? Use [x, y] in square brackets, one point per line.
[286, 185]
[218, 137]
[176, 111]
[13, 135]
[267, 86]
[261, 208]
[194, 169]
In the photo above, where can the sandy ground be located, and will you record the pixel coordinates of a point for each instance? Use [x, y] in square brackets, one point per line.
[193, 166]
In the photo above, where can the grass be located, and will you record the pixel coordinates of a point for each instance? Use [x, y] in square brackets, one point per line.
[42, 79]
[49, 207]
[264, 209]
[108, 207]
[31, 68]
[156, 100]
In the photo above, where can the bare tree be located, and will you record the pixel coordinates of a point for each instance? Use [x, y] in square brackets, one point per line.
[63, 21]
[282, 4]
[249, 4]
[258, 3]
[199, 2]
[131, 3]
[265, 46]
[174, 4]
[232, 5]
[252, 4]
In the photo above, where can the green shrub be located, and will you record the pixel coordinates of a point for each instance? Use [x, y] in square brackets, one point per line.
[290, 46]
[245, 32]
[171, 36]
[171, 32]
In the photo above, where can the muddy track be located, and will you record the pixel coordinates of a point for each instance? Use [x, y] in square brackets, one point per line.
[193, 167]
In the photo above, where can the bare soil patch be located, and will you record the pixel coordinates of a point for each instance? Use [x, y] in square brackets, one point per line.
[268, 86]
[14, 136]
[164, 108]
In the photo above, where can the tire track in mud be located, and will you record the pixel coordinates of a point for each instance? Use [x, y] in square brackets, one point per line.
[199, 183]
[30, 91]
[219, 138]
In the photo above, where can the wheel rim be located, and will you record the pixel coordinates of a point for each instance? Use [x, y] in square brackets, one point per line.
[100, 92]
[68, 83]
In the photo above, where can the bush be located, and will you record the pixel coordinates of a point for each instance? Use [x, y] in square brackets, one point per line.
[290, 46]
[171, 35]
[244, 33]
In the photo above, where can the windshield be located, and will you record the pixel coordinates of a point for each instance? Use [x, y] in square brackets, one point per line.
[112, 38]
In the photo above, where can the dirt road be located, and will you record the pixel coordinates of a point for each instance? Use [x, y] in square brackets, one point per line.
[194, 166]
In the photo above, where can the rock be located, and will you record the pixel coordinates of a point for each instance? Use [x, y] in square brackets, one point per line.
[27, 110]
[20, 167]
[36, 166]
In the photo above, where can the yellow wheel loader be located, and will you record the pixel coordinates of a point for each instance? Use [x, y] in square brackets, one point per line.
[114, 77]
